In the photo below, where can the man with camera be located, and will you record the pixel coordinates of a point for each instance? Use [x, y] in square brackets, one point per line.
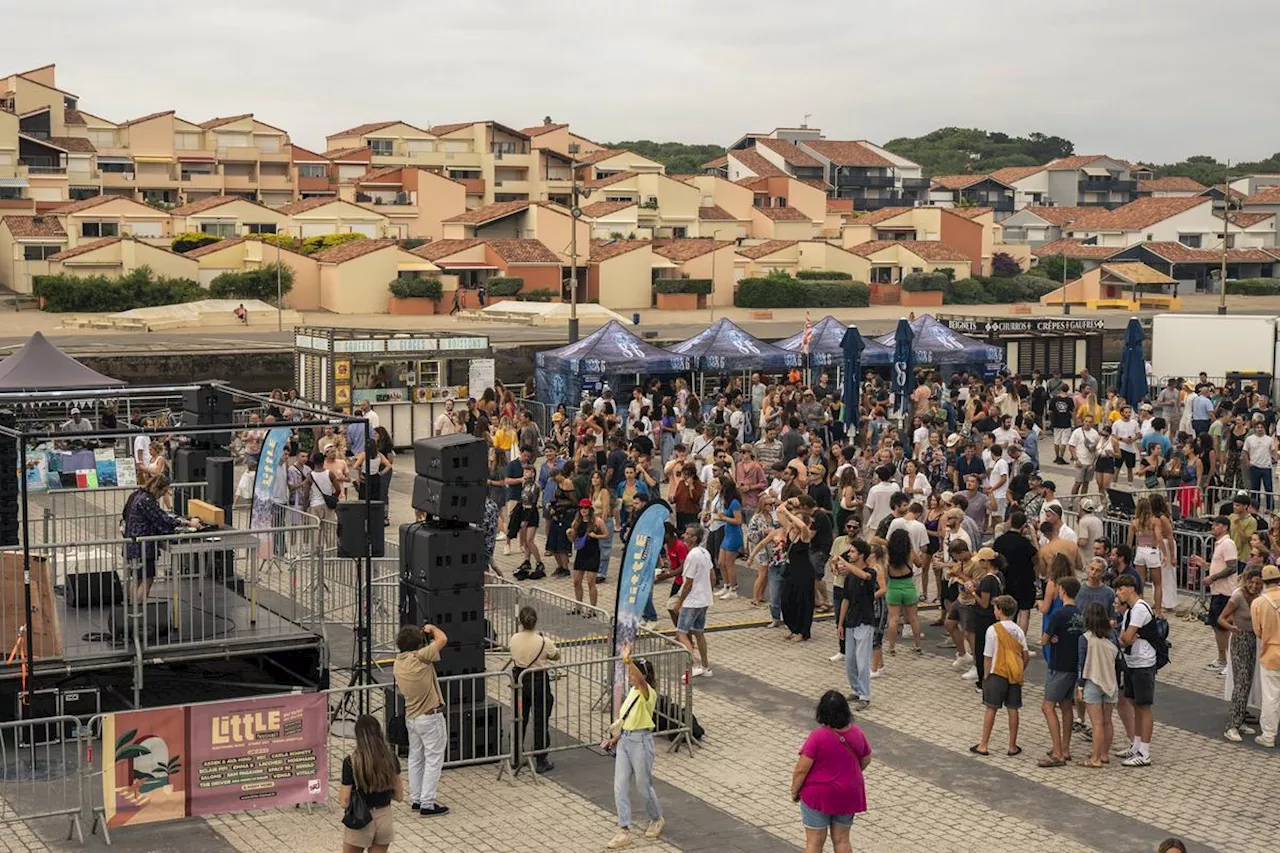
[415, 675]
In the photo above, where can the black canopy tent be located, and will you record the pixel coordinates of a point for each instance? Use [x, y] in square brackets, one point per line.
[41, 366]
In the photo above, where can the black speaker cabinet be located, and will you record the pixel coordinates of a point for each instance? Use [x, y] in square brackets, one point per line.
[189, 465]
[220, 483]
[93, 589]
[213, 405]
[459, 502]
[441, 558]
[459, 613]
[155, 621]
[361, 535]
[475, 730]
[455, 458]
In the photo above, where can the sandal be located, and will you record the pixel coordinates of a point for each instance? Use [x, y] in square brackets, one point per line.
[974, 749]
[1050, 761]
[1017, 750]
[1089, 762]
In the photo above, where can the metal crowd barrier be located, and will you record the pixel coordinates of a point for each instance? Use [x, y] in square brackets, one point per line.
[41, 775]
[77, 514]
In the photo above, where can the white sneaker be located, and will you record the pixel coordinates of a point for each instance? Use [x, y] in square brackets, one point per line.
[907, 633]
[731, 594]
[706, 673]
[837, 656]
[1263, 740]
[970, 674]
[1216, 666]
[1124, 753]
[649, 626]
[1248, 730]
[1233, 735]
[501, 536]
[655, 828]
[622, 839]
[876, 673]
[1137, 760]
[962, 662]
[696, 672]
[722, 592]
[506, 549]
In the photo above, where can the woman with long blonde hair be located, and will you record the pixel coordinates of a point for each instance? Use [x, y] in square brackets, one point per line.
[372, 769]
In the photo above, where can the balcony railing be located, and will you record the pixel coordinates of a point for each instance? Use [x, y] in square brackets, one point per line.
[915, 183]
[45, 170]
[1107, 185]
[863, 179]
[882, 201]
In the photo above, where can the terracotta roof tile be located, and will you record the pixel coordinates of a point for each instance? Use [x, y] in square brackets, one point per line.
[761, 250]
[219, 121]
[304, 204]
[1245, 220]
[839, 205]
[305, 155]
[85, 248]
[1268, 195]
[213, 247]
[1075, 248]
[929, 250]
[1171, 184]
[490, 212]
[609, 180]
[443, 129]
[604, 208]
[1137, 272]
[684, 179]
[688, 249]
[74, 117]
[715, 213]
[210, 203]
[361, 129]
[147, 117]
[34, 227]
[790, 152]
[437, 249]
[781, 214]
[357, 153]
[597, 156]
[718, 163]
[523, 252]
[969, 212]
[94, 201]
[1059, 215]
[1075, 161]
[756, 162]
[348, 251]
[957, 182]
[873, 217]
[847, 153]
[1136, 215]
[754, 182]
[539, 130]
[76, 144]
[604, 250]
[374, 176]
[1179, 254]
[1011, 174]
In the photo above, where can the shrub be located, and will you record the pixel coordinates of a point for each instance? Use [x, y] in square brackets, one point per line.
[1033, 287]
[417, 288]
[284, 241]
[1254, 286]
[1003, 289]
[823, 275]
[783, 291]
[1050, 266]
[252, 284]
[541, 294]
[319, 243]
[499, 286]
[701, 286]
[919, 281]
[968, 291]
[1004, 265]
[139, 289]
[837, 294]
[189, 240]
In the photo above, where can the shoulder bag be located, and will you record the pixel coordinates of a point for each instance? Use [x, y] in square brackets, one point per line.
[357, 814]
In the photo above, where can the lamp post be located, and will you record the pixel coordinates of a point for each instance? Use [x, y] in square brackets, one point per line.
[574, 213]
[1226, 218]
[1066, 308]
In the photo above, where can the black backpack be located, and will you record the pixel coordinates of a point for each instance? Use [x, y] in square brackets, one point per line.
[1156, 632]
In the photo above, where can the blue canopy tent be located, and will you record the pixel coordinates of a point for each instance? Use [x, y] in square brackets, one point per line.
[935, 343]
[1133, 365]
[825, 343]
[852, 345]
[726, 347]
[904, 366]
[561, 375]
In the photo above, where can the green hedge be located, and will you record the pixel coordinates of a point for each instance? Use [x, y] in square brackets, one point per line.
[499, 286]
[99, 293]
[417, 288]
[997, 289]
[968, 291]
[787, 292]
[284, 241]
[921, 281]
[252, 284]
[541, 294]
[700, 286]
[823, 275]
[189, 240]
[319, 243]
[1254, 287]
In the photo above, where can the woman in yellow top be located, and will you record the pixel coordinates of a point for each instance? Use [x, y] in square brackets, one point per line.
[504, 437]
[1089, 406]
[635, 751]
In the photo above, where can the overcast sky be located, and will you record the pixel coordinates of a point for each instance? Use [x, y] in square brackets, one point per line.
[1152, 80]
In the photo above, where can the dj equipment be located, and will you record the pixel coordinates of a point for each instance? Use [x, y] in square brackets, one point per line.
[435, 557]
[360, 526]
[1120, 502]
[450, 501]
[93, 589]
[456, 458]
[1193, 525]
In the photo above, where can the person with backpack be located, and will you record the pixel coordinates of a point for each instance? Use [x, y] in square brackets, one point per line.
[1004, 660]
[1141, 637]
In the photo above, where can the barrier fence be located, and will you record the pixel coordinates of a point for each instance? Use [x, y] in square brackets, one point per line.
[41, 775]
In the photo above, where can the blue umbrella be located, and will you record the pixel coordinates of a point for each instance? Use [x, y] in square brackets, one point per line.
[1133, 365]
[852, 346]
[904, 365]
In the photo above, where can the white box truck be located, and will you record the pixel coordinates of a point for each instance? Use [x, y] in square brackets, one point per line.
[1186, 345]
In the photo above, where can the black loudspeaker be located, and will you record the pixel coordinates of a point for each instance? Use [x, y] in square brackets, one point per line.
[455, 458]
[189, 465]
[211, 404]
[441, 558]
[93, 589]
[450, 501]
[220, 483]
[475, 730]
[459, 613]
[360, 535]
[155, 621]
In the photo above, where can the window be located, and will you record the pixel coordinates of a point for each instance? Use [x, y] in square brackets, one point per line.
[219, 229]
[103, 138]
[116, 168]
[233, 140]
[99, 229]
[1191, 241]
[10, 193]
[261, 227]
[679, 232]
[384, 147]
[311, 170]
[39, 253]
[267, 143]
[187, 141]
[882, 275]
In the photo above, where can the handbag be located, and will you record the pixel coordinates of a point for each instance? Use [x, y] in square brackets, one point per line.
[615, 727]
[357, 814]
[331, 501]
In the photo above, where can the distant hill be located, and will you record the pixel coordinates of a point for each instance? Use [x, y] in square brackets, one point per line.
[960, 150]
[678, 157]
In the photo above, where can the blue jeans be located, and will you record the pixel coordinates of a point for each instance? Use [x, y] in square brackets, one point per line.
[1260, 476]
[634, 758]
[857, 659]
[606, 551]
[775, 593]
[649, 614]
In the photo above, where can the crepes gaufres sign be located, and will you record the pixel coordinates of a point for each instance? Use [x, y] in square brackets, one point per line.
[1030, 326]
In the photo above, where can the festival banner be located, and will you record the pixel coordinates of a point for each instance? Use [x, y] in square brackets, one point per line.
[635, 583]
[175, 762]
[266, 486]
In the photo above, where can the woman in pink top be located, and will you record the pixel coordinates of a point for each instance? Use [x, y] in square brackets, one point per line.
[827, 781]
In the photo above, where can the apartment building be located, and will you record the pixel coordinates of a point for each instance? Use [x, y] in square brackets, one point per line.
[871, 176]
[1081, 180]
[972, 191]
[1189, 221]
[1172, 187]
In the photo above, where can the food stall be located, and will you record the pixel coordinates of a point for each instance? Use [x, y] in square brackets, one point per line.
[407, 377]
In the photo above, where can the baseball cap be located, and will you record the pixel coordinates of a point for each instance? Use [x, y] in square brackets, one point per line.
[946, 497]
[1270, 573]
[584, 502]
[1223, 520]
[1087, 505]
[1050, 485]
[1242, 498]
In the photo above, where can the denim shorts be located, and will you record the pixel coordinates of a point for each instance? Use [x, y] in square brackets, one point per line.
[1093, 694]
[814, 819]
[692, 620]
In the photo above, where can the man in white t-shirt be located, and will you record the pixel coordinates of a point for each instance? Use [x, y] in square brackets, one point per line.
[1128, 432]
[142, 444]
[997, 485]
[1140, 661]
[878, 496]
[695, 599]
[1005, 434]
[1146, 420]
[1083, 447]
[1260, 450]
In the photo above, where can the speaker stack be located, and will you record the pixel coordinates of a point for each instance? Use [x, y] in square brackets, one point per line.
[9, 484]
[442, 566]
[204, 406]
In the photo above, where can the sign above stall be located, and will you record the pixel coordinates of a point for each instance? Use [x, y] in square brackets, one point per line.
[1032, 326]
[412, 344]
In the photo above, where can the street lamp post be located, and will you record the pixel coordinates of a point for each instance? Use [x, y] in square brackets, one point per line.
[1226, 218]
[574, 213]
[1066, 308]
